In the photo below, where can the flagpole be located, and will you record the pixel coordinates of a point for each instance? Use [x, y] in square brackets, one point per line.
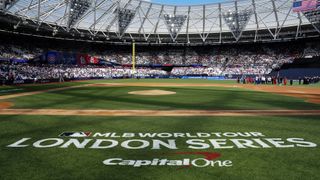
[133, 58]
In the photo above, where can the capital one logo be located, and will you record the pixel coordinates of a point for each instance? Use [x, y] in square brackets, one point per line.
[209, 159]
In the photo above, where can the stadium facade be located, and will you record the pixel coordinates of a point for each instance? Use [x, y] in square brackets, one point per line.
[124, 21]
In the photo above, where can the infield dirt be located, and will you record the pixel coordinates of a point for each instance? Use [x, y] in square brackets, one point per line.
[155, 92]
[5, 105]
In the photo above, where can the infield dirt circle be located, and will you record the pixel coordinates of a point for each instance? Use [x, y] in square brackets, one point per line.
[154, 92]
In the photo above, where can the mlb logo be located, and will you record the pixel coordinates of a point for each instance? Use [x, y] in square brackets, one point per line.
[75, 134]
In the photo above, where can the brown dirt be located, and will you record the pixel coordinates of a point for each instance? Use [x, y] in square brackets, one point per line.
[311, 95]
[5, 105]
[155, 92]
[158, 113]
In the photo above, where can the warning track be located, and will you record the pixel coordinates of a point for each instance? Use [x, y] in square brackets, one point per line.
[158, 113]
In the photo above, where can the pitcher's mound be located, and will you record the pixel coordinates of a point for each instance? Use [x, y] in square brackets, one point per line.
[152, 92]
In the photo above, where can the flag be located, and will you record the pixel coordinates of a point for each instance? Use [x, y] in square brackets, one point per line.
[92, 60]
[82, 59]
[53, 57]
[305, 5]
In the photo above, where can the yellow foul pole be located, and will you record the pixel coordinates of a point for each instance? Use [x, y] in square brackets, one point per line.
[133, 57]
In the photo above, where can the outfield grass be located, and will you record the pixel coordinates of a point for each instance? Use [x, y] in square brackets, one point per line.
[73, 163]
[207, 98]
[204, 98]
[36, 87]
[5, 90]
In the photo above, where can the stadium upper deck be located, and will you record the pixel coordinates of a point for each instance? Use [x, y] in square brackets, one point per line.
[141, 21]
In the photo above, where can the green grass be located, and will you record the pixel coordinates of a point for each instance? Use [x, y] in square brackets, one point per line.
[5, 90]
[207, 98]
[73, 163]
[36, 87]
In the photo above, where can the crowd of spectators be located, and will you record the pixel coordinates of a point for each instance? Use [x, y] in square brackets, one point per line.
[182, 71]
[309, 80]
[24, 72]
[17, 72]
[277, 80]
[207, 61]
[311, 50]
[218, 61]
[9, 51]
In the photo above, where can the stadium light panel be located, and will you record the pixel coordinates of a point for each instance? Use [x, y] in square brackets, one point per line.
[174, 24]
[77, 9]
[237, 21]
[125, 17]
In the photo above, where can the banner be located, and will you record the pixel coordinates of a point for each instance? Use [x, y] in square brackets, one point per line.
[19, 60]
[204, 77]
[53, 57]
[92, 60]
[69, 58]
[82, 59]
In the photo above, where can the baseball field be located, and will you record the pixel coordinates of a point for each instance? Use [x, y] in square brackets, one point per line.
[159, 129]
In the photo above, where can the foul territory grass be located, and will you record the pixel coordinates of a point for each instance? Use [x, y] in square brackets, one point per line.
[73, 163]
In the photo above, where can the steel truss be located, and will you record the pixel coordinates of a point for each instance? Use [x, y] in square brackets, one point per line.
[314, 18]
[131, 19]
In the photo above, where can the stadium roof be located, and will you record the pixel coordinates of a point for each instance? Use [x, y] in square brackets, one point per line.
[131, 17]
[186, 2]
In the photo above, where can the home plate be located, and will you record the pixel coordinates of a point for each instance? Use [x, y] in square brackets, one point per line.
[154, 92]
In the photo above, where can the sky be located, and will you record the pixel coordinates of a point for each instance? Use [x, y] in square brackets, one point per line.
[186, 2]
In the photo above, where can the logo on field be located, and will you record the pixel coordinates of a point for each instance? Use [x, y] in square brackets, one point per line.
[75, 134]
[165, 141]
[207, 155]
[209, 160]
